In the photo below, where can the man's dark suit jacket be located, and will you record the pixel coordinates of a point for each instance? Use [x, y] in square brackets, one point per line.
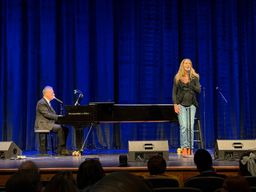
[45, 115]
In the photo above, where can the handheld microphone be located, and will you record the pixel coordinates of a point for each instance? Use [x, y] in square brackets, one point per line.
[188, 71]
[58, 100]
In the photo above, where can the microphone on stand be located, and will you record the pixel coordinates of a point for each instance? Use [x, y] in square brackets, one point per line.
[77, 91]
[221, 94]
[80, 96]
[58, 100]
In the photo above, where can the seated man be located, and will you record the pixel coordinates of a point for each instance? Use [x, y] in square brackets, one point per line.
[203, 162]
[45, 120]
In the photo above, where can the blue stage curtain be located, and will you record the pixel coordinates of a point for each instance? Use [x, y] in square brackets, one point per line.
[128, 51]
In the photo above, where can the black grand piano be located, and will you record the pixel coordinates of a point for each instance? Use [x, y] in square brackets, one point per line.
[109, 112]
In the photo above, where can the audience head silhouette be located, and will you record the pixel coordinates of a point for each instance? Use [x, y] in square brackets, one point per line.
[156, 165]
[21, 182]
[26, 179]
[89, 172]
[235, 184]
[30, 168]
[203, 160]
[121, 182]
[61, 182]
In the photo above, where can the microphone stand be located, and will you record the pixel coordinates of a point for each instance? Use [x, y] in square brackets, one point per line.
[79, 98]
[61, 109]
[224, 111]
[204, 114]
[79, 134]
[61, 105]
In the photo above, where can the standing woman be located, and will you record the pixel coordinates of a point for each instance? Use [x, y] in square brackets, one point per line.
[186, 86]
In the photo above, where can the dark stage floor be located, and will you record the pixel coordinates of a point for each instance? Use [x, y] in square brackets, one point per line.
[108, 158]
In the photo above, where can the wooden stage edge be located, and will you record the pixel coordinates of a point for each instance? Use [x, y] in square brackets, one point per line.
[182, 172]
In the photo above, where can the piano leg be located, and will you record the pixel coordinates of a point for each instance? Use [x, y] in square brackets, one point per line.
[116, 136]
[79, 137]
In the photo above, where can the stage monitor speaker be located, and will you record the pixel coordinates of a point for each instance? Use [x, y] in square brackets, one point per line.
[143, 150]
[233, 149]
[9, 149]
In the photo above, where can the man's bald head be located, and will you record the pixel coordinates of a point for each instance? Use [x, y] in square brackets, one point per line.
[48, 93]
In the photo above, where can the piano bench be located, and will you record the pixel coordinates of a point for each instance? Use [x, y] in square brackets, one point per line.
[43, 135]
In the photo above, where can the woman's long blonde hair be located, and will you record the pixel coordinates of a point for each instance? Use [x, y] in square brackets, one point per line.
[181, 71]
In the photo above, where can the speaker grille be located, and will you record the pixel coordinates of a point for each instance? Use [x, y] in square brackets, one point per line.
[143, 150]
[233, 149]
[9, 149]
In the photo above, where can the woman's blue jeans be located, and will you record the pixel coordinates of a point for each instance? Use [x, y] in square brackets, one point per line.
[187, 126]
